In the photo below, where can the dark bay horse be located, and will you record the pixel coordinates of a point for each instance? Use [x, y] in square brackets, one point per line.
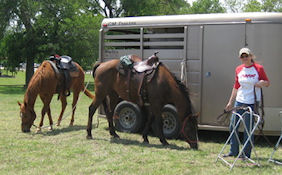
[163, 88]
[44, 83]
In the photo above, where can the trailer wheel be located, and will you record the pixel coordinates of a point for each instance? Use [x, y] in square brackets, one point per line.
[129, 117]
[171, 124]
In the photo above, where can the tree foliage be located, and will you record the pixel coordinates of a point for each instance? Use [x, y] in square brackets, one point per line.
[152, 7]
[254, 5]
[118, 8]
[34, 29]
[206, 6]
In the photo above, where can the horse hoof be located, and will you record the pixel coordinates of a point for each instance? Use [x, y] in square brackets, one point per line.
[89, 137]
[38, 130]
[50, 128]
[58, 124]
[146, 142]
[165, 143]
[71, 124]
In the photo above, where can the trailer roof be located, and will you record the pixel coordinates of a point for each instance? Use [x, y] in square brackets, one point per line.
[195, 19]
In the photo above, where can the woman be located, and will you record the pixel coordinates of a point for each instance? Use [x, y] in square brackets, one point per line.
[249, 75]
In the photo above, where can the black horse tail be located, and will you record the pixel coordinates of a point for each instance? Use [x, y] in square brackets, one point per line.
[97, 64]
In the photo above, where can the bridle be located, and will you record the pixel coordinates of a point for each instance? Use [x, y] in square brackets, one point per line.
[184, 134]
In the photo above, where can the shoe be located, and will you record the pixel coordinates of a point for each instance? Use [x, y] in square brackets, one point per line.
[243, 157]
[228, 155]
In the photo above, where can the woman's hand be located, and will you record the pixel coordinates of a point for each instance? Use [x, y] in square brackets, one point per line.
[262, 83]
[228, 107]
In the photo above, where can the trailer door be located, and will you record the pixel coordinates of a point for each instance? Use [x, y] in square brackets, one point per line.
[220, 57]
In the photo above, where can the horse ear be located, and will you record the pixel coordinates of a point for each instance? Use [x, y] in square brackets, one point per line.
[19, 103]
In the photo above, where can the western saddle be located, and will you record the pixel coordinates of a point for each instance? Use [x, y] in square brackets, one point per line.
[140, 71]
[63, 66]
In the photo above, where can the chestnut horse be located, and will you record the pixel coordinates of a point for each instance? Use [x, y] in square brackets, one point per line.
[163, 88]
[44, 83]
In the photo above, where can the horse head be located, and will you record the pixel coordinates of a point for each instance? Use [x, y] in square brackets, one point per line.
[27, 115]
[190, 130]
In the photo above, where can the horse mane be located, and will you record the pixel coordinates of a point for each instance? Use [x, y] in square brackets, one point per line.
[35, 83]
[183, 89]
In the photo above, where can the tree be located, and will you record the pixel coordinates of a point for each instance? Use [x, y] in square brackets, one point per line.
[117, 8]
[152, 7]
[272, 6]
[254, 5]
[234, 5]
[22, 13]
[206, 6]
[38, 28]
[69, 28]
[108, 8]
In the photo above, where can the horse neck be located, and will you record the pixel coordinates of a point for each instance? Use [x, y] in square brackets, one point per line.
[183, 100]
[30, 97]
[186, 105]
[32, 92]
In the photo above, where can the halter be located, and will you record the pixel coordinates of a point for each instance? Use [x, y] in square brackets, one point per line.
[184, 134]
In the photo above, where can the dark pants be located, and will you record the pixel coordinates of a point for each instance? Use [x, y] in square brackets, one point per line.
[234, 150]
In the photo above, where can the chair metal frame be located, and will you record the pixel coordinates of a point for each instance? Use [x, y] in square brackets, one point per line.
[276, 146]
[257, 120]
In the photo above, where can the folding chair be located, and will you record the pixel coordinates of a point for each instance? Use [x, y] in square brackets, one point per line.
[250, 132]
[277, 145]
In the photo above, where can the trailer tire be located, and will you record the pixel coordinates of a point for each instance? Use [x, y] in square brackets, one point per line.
[129, 117]
[171, 124]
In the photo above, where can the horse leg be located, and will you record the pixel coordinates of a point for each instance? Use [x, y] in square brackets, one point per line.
[92, 108]
[50, 118]
[113, 102]
[159, 120]
[41, 120]
[148, 124]
[46, 108]
[63, 99]
[74, 102]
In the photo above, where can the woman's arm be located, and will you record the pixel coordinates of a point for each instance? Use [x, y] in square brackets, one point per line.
[231, 99]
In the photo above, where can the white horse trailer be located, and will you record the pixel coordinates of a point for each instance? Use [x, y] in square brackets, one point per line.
[202, 50]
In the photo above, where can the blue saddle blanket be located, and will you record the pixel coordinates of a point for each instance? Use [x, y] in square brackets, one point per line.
[126, 61]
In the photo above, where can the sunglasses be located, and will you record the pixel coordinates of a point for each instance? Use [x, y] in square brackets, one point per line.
[245, 56]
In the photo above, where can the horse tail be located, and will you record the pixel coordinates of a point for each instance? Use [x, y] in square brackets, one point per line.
[88, 93]
[97, 64]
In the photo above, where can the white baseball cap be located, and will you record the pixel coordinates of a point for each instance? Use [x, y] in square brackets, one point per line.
[244, 50]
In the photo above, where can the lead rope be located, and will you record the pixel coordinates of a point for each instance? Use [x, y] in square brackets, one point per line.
[257, 108]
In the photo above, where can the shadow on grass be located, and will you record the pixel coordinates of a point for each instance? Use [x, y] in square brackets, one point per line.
[12, 89]
[149, 145]
[222, 136]
[59, 130]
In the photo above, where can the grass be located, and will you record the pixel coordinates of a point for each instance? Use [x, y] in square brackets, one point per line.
[65, 150]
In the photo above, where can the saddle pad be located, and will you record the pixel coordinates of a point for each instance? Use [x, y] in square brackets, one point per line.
[126, 61]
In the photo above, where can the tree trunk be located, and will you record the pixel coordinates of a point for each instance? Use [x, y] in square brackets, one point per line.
[29, 70]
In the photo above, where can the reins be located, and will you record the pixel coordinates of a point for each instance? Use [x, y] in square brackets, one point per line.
[182, 131]
[257, 107]
[226, 113]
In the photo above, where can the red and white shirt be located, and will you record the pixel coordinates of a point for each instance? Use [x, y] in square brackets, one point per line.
[245, 79]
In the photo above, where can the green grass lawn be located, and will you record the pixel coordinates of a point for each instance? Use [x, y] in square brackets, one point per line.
[65, 150]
